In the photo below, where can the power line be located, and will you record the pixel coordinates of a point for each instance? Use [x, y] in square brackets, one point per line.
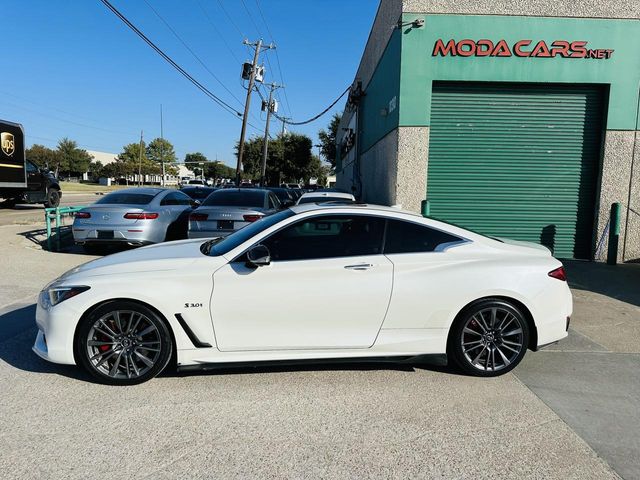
[277, 56]
[262, 36]
[206, 14]
[175, 34]
[201, 87]
[285, 120]
[63, 119]
[230, 19]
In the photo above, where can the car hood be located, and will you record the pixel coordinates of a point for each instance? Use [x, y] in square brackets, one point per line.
[160, 257]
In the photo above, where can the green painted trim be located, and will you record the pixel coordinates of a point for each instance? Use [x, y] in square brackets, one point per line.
[383, 86]
[622, 71]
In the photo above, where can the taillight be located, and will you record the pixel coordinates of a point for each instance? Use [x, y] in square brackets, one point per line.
[83, 215]
[251, 217]
[141, 216]
[198, 217]
[559, 274]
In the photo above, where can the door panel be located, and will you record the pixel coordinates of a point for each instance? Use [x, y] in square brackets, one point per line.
[301, 304]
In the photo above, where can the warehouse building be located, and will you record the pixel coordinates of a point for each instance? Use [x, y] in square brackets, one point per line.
[516, 119]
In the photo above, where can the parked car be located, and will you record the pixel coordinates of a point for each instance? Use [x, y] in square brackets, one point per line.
[228, 210]
[400, 287]
[133, 216]
[285, 195]
[197, 181]
[197, 192]
[320, 197]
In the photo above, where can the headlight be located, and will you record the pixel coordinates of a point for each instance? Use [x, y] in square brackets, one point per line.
[54, 295]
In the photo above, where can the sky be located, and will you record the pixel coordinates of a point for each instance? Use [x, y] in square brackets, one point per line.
[72, 69]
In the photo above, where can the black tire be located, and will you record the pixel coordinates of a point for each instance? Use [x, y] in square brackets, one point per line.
[490, 344]
[9, 203]
[53, 198]
[104, 348]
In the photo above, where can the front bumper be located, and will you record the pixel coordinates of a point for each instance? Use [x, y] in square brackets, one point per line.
[56, 329]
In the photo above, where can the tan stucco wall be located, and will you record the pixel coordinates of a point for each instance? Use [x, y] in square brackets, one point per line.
[543, 8]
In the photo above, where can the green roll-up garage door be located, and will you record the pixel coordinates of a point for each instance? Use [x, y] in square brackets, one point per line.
[518, 161]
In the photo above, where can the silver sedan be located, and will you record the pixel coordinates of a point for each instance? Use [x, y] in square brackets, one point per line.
[134, 216]
[228, 210]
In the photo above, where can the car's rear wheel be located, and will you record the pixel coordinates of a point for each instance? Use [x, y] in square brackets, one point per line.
[123, 343]
[489, 338]
[53, 198]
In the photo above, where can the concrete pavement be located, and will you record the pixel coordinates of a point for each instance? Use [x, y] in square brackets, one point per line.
[332, 422]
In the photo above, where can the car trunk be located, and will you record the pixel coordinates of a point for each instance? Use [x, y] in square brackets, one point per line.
[223, 218]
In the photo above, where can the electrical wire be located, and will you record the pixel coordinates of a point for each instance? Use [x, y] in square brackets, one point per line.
[175, 34]
[169, 60]
[312, 119]
[284, 91]
[213, 25]
[230, 19]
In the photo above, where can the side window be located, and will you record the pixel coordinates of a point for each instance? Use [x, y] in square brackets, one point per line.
[170, 199]
[328, 237]
[31, 168]
[273, 201]
[408, 237]
[182, 199]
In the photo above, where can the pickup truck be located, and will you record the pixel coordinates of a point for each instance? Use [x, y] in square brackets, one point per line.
[21, 181]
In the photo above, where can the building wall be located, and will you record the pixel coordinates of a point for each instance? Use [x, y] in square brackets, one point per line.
[604, 24]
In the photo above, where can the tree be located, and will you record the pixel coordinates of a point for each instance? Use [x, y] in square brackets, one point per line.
[72, 160]
[129, 162]
[161, 149]
[96, 170]
[328, 140]
[190, 160]
[289, 158]
[42, 156]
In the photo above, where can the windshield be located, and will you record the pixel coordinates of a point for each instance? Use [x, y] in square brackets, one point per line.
[222, 245]
[236, 198]
[122, 198]
[323, 199]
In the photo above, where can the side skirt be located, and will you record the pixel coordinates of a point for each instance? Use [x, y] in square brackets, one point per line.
[439, 359]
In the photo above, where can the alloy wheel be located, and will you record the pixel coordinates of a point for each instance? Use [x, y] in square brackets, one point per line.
[492, 339]
[123, 344]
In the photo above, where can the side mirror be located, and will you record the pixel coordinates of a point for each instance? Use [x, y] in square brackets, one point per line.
[195, 203]
[258, 256]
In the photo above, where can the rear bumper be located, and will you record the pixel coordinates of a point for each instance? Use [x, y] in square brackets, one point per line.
[84, 235]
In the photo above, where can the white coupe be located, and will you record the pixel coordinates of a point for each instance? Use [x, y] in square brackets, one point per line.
[313, 282]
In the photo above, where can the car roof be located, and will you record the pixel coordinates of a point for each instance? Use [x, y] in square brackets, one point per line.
[141, 190]
[327, 194]
[352, 207]
[243, 190]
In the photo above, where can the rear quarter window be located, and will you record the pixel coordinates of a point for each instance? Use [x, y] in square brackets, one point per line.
[408, 237]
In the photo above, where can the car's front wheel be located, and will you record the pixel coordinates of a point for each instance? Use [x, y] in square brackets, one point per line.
[489, 338]
[123, 343]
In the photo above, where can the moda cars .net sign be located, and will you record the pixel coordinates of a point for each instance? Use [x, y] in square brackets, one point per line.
[521, 48]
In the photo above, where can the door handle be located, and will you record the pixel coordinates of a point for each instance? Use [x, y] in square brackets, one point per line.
[359, 266]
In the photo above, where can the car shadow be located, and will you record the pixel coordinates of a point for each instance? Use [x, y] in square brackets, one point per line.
[17, 333]
[337, 365]
[621, 282]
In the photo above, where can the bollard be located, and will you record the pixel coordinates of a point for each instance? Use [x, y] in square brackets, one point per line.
[614, 234]
[425, 208]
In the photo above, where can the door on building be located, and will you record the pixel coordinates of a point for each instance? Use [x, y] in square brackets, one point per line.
[518, 160]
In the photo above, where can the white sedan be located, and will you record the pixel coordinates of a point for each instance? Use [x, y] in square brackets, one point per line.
[358, 282]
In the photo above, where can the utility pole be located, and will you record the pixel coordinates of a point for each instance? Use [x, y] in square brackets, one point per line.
[140, 160]
[162, 145]
[252, 77]
[265, 143]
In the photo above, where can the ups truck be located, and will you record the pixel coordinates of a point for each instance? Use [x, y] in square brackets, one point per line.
[21, 181]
